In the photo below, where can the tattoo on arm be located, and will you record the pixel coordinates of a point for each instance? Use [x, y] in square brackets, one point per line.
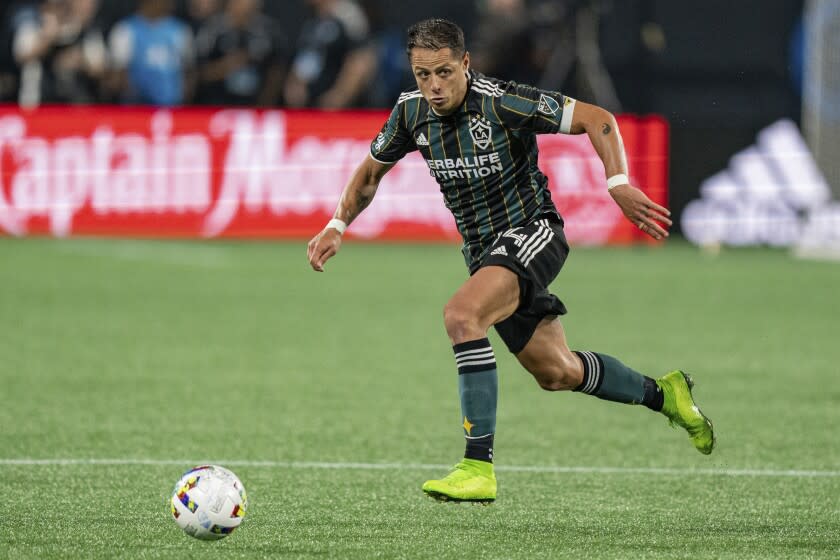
[606, 129]
[358, 194]
[353, 203]
[362, 201]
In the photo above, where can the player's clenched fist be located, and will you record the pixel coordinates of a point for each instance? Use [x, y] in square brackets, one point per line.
[322, 247]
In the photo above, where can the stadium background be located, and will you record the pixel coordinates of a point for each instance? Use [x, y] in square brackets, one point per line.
[125, 361]
[714, 72]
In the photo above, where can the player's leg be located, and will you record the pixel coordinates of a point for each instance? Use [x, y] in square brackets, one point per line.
[548, 358]
[556, 368]
[519, 264]
[487, 297]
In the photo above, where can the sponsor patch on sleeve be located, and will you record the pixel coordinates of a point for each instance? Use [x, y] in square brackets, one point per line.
[548, 105]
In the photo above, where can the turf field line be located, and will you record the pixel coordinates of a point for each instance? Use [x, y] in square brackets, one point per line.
[540, 469]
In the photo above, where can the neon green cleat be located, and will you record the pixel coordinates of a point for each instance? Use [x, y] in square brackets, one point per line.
[678, 405]
[470, 481]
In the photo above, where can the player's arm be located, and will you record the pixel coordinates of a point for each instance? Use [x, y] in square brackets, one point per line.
[602, 129]
[357, 195]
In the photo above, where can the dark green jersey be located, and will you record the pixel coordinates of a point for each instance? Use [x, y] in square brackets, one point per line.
[483, 156]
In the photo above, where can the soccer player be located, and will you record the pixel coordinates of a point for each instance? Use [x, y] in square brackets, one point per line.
[477, 134]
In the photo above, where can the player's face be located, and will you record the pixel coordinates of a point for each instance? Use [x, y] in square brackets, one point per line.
[441, 77]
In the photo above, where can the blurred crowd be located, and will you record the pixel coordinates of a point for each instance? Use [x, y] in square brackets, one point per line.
[235, 52]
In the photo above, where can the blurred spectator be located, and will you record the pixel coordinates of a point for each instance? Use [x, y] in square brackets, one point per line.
[392, 73]
[60, 52]
[552, 44]
[334, 60]
[13, 15]
[567, 49]
[503, 43]
[152, 56]
[199, 12]
[242, 57]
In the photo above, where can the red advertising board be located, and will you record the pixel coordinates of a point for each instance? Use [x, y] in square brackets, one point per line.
[145, 172]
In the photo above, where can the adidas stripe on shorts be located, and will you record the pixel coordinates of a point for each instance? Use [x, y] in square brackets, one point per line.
[536, 253]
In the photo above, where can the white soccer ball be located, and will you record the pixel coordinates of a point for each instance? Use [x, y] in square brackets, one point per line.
[209, 502]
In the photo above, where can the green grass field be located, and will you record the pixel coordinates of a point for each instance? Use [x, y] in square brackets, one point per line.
[135, 360]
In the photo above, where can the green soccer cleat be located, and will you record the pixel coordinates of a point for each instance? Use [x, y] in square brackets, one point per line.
[470, 481]
[678, 405]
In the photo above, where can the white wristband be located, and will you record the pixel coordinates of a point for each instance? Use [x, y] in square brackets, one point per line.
[336, 224]
[616, 180]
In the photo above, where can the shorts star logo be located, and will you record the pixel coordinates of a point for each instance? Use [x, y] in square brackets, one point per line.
[467, 426]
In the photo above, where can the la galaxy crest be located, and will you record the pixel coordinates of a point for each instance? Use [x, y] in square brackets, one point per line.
[480, 132]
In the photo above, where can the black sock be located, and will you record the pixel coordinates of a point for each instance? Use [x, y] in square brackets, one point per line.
[653, 395]
[480, 448]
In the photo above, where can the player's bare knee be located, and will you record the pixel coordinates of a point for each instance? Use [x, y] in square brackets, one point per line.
[556, 380]
[461, 323]
[559, 375]
[550, 383]
[571, 371]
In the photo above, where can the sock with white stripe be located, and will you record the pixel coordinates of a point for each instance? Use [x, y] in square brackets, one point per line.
[609, 379]
[478, 386]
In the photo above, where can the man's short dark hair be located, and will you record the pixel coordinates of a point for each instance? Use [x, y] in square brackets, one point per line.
[436, 34]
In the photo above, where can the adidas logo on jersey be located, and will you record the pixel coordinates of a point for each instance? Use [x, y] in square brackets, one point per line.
[421, 140]
[499, 251]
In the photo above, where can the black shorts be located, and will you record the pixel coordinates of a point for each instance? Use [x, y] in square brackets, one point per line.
[535, 253]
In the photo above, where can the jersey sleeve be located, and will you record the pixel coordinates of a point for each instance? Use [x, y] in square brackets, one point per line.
[394, 140]
[536, 110]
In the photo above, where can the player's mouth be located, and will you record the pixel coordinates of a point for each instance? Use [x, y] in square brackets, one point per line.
[438, 100]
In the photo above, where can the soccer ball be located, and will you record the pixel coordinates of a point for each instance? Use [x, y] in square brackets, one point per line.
[209, 502]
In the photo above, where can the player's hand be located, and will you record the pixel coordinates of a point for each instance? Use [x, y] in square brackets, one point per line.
[322, 247]
[642, 211]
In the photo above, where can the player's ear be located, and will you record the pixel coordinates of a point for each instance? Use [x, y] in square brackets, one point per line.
[465, 62]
